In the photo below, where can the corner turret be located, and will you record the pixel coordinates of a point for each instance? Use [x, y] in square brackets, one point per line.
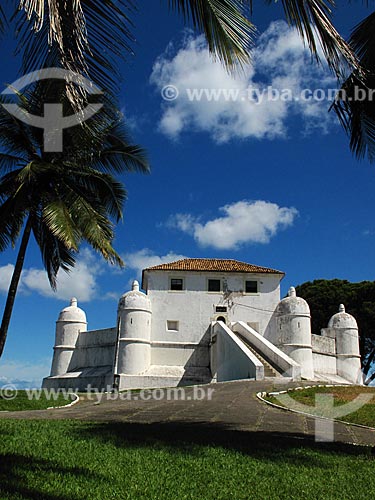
[134, 332]
[294, 331]
[71, 321]
[344, 329]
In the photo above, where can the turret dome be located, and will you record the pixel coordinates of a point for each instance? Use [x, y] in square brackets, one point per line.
[293, 305]
[342, 319]
[135, 299]
[72, 313]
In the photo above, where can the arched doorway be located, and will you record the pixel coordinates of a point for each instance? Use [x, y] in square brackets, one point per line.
[221, 318]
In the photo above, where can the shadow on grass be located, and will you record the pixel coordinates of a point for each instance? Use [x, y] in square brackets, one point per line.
[15, 470]
[21, 476]
[189, 437]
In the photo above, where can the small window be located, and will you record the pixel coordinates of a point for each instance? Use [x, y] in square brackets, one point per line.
[176, 284]
[221, 309]
[172, 326]
[251, 287]
[214, 285]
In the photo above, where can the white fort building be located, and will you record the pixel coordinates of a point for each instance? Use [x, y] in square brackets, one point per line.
[200, 321]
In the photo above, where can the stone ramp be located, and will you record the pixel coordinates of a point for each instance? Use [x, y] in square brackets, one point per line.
[232, 406]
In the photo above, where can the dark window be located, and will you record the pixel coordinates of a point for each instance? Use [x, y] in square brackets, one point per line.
[177, 284]
[221, 309]
[251, 287]
[214, 285]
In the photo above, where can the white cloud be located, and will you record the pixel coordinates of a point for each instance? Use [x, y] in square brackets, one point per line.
[24, 375]
[280, 61]
[5, 277]
[81, 282]
[146, 258]
[242, 222]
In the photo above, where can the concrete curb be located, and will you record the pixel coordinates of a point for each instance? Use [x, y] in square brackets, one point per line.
[66, 406]
[261, 396]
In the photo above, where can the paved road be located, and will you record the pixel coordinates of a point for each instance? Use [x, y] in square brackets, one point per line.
[232, 407]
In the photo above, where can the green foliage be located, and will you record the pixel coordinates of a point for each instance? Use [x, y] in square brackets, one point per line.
[55, 460]
[30, 400]
[324, 297]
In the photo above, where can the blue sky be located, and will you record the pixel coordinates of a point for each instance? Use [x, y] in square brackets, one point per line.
[273, 184]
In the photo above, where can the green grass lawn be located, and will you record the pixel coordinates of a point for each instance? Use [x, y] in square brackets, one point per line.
[363, 416]
[70, 460]
[22, 400]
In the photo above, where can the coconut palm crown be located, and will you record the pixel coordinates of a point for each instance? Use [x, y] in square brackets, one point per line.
[63, 198]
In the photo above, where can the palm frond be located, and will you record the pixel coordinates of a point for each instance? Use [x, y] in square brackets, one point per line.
[229, 33]
[355, 101]
[57, 217]
[83, 36]
[99, 189]
[63, 16]
[105, 142]
[10, 224]
[9, 162]
[13, 209]
[362, 40]
[3, 20]
[95, 228]
[312, 19]
[119, 154]
[16, 137]
[55, 254]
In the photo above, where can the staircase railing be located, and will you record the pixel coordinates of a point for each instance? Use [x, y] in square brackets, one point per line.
[284, 364]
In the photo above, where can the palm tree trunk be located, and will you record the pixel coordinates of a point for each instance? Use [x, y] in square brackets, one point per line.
[14, 285]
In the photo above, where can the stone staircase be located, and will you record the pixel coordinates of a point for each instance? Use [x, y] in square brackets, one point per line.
[269, 370]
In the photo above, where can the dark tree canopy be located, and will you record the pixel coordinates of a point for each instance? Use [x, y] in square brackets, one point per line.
[324, 297]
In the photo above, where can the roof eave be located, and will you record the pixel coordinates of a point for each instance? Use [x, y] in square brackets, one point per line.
[150, 269]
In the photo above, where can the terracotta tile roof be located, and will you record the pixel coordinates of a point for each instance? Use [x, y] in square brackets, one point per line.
[207, 265]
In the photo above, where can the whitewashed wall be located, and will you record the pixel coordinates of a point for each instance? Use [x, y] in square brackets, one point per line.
[194, 309]
[95, 348]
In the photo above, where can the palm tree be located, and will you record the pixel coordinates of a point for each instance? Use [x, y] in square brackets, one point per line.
[62, 199]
